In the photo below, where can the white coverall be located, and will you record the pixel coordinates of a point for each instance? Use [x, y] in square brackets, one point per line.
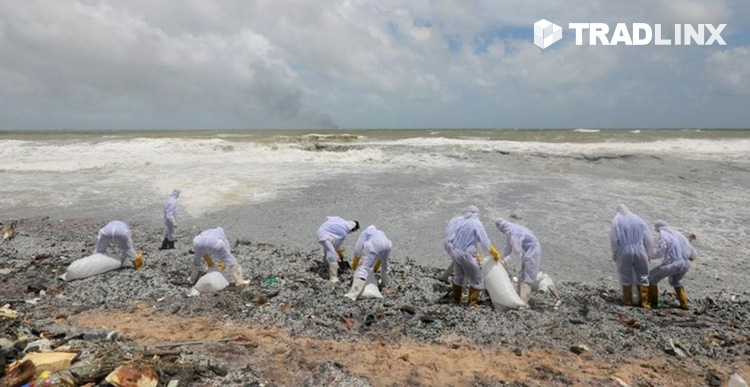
[464, 242]
[632, 244]
[170, 214]
[376, 246]
[214, 243]
[115, 232]
[331, 234]
[521, 246]
[675, 252]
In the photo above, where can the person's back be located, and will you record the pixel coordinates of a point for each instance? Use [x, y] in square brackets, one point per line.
[631, 232]
[466, 234]
[676, 246]
[632, 244]
[115, 228]
[334, 226]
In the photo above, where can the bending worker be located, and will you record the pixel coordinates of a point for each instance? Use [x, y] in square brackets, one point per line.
[170, 220]
[331, 235]
[376, 248]
[117, 232]
[211, 244]
[449, 230]
[676, 253]
[521, 246]
[632, 245]
[467, 260]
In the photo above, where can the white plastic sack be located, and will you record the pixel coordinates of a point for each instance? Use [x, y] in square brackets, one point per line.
[211, 282]
[371, 288]
[498, 285]
[91, 265]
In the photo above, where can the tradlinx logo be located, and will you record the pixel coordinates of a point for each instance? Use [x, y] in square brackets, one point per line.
[546, 33]
[635, 34]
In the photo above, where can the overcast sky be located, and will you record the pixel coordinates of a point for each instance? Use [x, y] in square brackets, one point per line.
[88, 64]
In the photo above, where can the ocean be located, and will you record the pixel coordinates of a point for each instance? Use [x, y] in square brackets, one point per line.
[277, 186]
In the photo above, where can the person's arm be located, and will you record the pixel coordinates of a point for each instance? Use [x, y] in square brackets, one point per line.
[515, 241]
[693, 253]
[661, 251]
[484, 240]
[359, 246]
[648, 241]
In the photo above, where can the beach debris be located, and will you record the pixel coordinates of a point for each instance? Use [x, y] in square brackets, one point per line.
[41, 345]
[184, 343]
[675, 349]
[619, 381]
[8, 232]
[347, 321]
[408, 309]
[428, 318]
[579, 349]
[19, 373]
[271, 281]
[628, 322]
[173, 383]
[7, 312]
[50, 361]
[517, 351]
[133, 376]
[714, 379]
[260, 299]
[736, 381]
[41, 256]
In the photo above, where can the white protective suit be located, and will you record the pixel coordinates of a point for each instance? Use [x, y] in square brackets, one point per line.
[376, 247]
[170, 214]
[675, 252]
[468, 239]
[115, 232]
[214, 243]
[332, 233]
[632, 244]
[471, 211]
[521, 246]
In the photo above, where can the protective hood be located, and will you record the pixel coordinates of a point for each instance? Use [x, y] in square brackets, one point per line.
[353, 225]
[660, 224]
[503, 225]
[175, 193]
[472, 212]
[622, 210]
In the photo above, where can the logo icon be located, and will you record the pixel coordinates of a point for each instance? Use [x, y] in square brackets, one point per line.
[546, 33]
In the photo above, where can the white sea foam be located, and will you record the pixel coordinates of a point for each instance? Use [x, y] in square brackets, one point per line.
[582, 130]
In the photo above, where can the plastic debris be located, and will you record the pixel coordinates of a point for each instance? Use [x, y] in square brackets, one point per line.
[19, 373]
[131, 375]
[579, 349]
[7, 312]
[736, 381]
[50, 361]
[271, 281]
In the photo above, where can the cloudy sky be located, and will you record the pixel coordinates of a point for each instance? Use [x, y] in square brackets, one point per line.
[90, 64]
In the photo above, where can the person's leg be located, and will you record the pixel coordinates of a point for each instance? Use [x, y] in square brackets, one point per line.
[331, 260]
[640, 265]
[458, 278]
[102, 243]
[529, 272]
[474, 272]
[676, 281]
[625, 271]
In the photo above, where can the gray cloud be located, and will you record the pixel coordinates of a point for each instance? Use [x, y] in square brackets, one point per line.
[357, 63]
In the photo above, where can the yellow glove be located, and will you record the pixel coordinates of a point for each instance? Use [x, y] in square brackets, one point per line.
[138, 261]
[377, 266]
[209, 260]
[222, 266]
[355, 262]
[479, 259]
[340, 252]
[494, 253]
[174, 222]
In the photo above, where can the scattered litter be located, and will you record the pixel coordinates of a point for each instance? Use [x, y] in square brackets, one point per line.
[271, 281]
[173, 383]
[675, 349]
[19, 373]
[184, 343]
[50, 361]
[579, 349]
[41, 345]
[628, 322]
[408, 309]
[131, 375]
[347, 321]
[41, 256]
[620, 382]
[736, 381]
[7, 312]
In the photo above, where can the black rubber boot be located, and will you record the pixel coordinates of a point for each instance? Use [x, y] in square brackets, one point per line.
[171, 245]
[164, 244]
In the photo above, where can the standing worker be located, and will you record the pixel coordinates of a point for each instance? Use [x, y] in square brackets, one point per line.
[463, 242]
[170, 220]
[632, 245]
[376, 248]
[211, 244]
[449, 230]
[521, 246]
[331, 235]
[676, 253]
[117, 232]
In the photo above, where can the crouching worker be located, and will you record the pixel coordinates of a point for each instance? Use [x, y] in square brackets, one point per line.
[467, 261]
[522, 246]
[212, 244]
[676, 253]
[331, 235]
[376, 248]
[117, 233]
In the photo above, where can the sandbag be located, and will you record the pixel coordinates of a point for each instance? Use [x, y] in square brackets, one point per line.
[211, 282]
[371, 288]
[499, 286]
[91, 265]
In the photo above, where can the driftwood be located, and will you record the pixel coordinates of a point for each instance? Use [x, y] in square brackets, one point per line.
[184, 343]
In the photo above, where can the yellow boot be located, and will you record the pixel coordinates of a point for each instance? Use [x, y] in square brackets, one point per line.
[474, 297]
[643, 292]
[653, 295]
[457, 290]
[627, 295]
[682, 297]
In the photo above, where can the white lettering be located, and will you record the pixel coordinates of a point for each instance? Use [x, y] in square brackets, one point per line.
[637, 39]
[598, 31]
[716, 34]
[579, 27]
[621, 34]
